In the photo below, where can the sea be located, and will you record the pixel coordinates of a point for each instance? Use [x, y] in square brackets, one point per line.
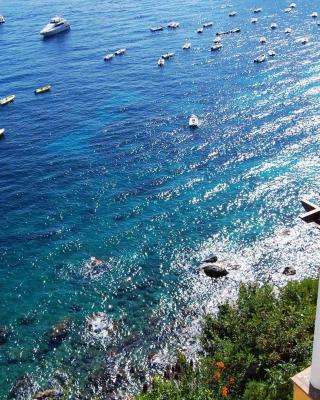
[105, 165]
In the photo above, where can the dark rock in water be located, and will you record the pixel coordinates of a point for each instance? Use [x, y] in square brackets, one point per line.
[4, 334]
[75, 308]
[22, 389]
[289, 271]
[215, 271]
[211, 259]
[61, 377]
[59, 331]
[46, 394]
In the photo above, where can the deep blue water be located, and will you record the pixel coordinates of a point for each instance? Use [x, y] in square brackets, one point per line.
[106, 165]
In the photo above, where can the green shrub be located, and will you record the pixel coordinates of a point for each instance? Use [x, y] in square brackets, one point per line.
[251, 348]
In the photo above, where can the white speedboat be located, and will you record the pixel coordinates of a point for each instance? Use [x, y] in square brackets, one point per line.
[193, 121]
[187, 46]
[263, 40]
[257, 10]
[232, 14]
[217, 40]
[293, 5]
[173, 25]
[314, 15]
[287, 10]
[207, 24]
[161, 62]
[273, 26]
[271, 53]
[260, 59]
[2, 19]
[200, 30]
[120, 52]
[2, 131]
[56, 25]
[288, 30]
[156, 29]
[108, 57]
[254, 20]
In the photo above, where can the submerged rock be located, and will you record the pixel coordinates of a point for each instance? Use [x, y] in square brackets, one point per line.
[289, 271]
[26, 319]
[4, 334]
[59, 331]
[22, 389]
[215, 271]
[46, 394]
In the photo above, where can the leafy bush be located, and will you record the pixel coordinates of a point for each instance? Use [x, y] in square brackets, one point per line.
[251, 348]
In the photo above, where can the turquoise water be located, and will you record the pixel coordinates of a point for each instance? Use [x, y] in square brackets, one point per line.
[106, 165]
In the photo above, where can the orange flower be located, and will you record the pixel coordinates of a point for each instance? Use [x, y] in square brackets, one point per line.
[216, 376]
[220, 364]
[224, 391]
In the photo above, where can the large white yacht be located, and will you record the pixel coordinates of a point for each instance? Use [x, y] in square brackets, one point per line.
[56, 25]
[2, 19]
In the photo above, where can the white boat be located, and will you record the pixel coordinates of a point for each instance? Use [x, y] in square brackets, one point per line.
[200, 30]
[2, 19]
[293, 5]
[56, 25]
[314, 15]
[156, 29]
[120, 52]
[216, 46]
[108, 57]
[287, 10]
[232, 14]
[207, 24]
[161, 62]
[2, 131]
[254, 20]
[173, 25]
[288, 30]
[217, 40]
[271, 53]
[166, 56]
[273, 26]
[303, 40]
[193, 121]
[263, 40]
[257, 10]
[235, 30]
[187, 46]
[260, 59]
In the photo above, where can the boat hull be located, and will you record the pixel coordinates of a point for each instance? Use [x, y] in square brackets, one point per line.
[55, 31]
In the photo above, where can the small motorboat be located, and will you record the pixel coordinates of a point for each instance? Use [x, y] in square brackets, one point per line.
[187, 46]
[166, 56]
[288, 30]
[7, 100]
[199, 30]
[156, 29]
[217, 40]
[173, 25]
[273, 26]
[193, 121]
[120, 52]
[288, 10]
[304, 40]
[2, 19]
[271, 53]
[235, 30]
[260, 59]
[216, 46]
[263, 40]
[207, 24]
[56, 25]
[108, 57]
[232, 14]
[221, 33]
[170, 55]
[254, 20]
[43, 89]
[161, 62]
[2, 131]
[257, 10]
[293, 5]
[314, 15]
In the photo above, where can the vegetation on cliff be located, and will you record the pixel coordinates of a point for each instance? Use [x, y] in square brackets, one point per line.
[250, 349]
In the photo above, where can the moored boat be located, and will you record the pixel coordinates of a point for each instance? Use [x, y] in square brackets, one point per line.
[108, 57]
[120, 52]
[263, 40]
[232, 14]
[156, 29]
[293, 5]
[287, 10]
[288, 30]
[257, 10]
[207, 24]
[254, 20]
[199, 30]
[7, 100]
[173, 25]
[260, 59]
[235, 30]
[2, 131]
[2, 19]
[43, 89]
[314, 15]
[56, 25]
[161, 62]
[187, 46]
[271, 53]
[273, 26]
[193, 121]
[216, 46]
